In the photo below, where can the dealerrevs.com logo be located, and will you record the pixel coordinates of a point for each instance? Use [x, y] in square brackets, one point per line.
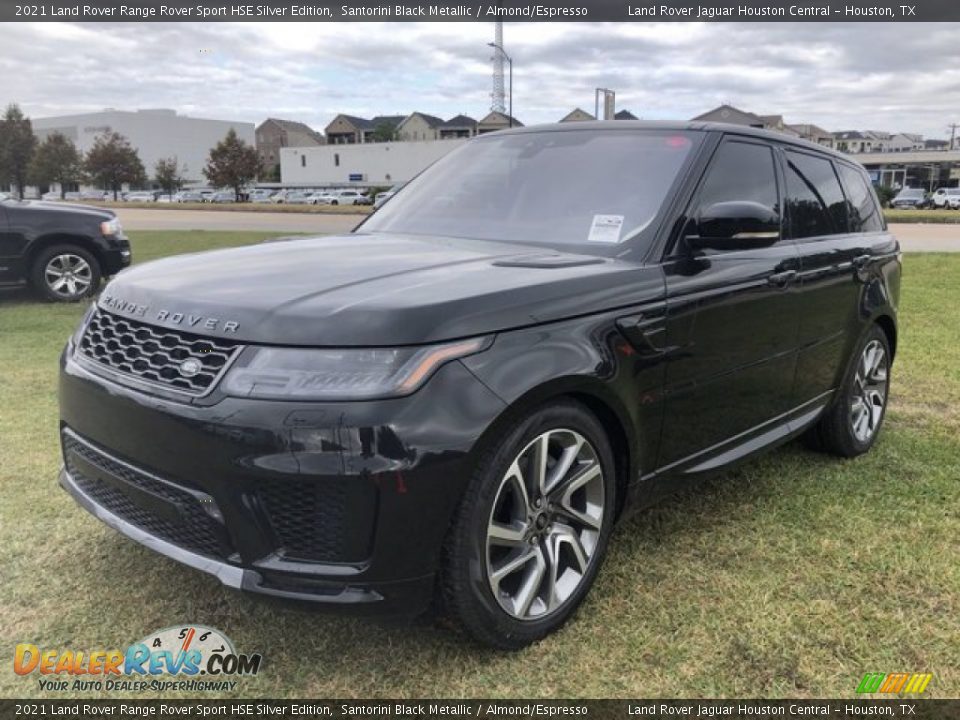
[185, 657]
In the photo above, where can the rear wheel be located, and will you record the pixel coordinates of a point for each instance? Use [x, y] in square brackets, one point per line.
[532, 529]
[851, 424]
[66, 273]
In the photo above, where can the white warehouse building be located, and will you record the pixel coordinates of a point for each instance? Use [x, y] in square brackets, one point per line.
[156, 134]
[362, 164]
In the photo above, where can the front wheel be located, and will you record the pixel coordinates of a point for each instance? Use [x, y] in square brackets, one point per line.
[851, 424]
[66, 273]
[532, 529]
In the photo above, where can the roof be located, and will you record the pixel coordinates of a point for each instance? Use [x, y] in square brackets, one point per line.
[495, 116]
[809, 129]
[431, 120]
[849, 135]
[692, 125]
[575, 112]
[749, 117]
[358, 122]
[290, 125]
[459, 121]
[392, 120]
[625, 115]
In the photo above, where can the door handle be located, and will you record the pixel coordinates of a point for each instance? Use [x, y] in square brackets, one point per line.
[782, 279]
[860, 261]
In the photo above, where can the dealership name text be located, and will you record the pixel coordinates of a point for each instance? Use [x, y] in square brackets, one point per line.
[744, 11]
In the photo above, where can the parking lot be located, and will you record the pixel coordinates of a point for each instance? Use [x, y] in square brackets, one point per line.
[914, 237]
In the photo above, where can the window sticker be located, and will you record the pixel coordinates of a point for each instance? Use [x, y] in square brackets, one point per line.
[606, 229]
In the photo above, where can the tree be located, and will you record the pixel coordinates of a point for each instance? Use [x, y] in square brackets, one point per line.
[384, 132]
[16, 147]
[56, 160]
[167, 173]
[112, 161]
[232, 163]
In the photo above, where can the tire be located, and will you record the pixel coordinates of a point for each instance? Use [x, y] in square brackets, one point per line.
[554, 554]
[65, 273]
[334, 202]
[851, 424]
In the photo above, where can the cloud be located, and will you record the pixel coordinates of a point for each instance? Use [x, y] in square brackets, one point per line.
[839, 76]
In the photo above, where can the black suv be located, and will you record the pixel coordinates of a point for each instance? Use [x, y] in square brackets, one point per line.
[62, 250]
[546, 328]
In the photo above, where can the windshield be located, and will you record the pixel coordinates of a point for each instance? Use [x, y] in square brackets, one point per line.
[911, 193]
[590, 188]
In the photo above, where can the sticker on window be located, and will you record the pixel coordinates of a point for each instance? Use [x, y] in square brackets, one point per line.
[606, 229]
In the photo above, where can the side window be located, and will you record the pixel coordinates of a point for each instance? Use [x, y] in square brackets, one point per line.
[864, 215]
[741, 172]
[815, 202]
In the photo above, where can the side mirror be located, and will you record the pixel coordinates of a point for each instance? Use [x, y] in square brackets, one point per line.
[735, 225]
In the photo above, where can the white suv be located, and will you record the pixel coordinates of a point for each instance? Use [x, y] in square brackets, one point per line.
[340, 197]
[947, 198]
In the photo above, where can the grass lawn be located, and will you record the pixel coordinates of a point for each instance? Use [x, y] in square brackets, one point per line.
[790, 576]
[922, 216]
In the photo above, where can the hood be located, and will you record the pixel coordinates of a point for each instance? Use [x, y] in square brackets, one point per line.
[373, 290]
[65, 208]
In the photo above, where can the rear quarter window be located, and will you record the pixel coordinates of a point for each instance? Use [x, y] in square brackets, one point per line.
[815, 200]
[862, 204]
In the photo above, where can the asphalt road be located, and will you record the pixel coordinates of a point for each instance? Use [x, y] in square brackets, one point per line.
[914, 237]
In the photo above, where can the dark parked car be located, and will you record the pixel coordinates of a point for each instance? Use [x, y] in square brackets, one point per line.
[61, 250]
[548, 327]
[910, 198]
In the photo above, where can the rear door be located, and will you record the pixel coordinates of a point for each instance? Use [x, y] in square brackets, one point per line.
[731, 317]
[834, 253]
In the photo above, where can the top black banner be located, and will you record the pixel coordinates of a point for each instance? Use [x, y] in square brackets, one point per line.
[464, 11]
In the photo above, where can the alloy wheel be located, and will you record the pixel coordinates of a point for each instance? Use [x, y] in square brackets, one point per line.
[68, 275]
[545, 524]
[869, 391]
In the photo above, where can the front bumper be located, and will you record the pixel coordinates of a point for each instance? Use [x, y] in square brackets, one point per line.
[116, 256]
[342, 505]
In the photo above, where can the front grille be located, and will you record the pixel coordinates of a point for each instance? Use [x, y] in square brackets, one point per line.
[155, 355]
[308, 518]
[196, 529]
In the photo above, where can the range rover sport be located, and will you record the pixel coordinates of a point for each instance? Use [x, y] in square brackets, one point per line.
[548, 327]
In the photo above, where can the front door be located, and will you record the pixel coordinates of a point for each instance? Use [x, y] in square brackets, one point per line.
[731, 318]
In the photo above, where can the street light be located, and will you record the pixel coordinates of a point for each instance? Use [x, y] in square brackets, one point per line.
[510, 62]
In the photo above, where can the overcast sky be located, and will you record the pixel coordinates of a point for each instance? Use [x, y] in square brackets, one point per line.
[875, 76]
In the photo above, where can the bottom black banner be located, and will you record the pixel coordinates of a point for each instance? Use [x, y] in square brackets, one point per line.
[640, 709]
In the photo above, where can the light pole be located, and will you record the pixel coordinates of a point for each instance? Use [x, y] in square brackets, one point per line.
[510, 63]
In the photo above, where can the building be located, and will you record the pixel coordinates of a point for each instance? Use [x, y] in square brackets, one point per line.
[577, 115]
[361, 164]
[155, 133]
[732, 115]
[353, 130]
[273, 134]
[625, 115]
[459, 126]
[813, 133]
[419, 126]
[496, 121]
[927, 169]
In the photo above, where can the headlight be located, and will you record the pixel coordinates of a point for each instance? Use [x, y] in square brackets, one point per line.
[341, 374]
[111, 227]
[81, 328]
